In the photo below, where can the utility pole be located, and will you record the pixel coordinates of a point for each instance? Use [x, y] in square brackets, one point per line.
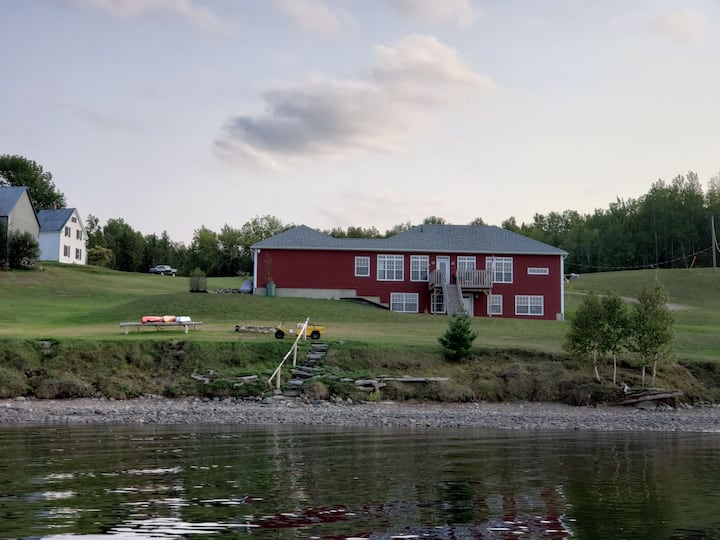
[714, 242]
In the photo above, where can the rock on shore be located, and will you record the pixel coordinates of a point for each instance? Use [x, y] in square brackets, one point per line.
[155, 410]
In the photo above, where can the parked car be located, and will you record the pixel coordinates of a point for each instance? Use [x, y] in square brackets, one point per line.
[163, 270]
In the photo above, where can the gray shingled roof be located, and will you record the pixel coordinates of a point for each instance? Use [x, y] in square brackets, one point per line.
[9, 196]
[421, 238]
[54, 220]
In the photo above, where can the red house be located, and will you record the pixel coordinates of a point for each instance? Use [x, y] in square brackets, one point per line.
[488, 271]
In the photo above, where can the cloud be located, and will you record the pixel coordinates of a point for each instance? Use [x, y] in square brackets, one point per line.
[322, 118]
[199, 16]
[313, 16]
[456, 12]
[684, 25]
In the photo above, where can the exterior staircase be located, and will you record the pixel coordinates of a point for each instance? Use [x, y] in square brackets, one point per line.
[453, 299]
[306, 369]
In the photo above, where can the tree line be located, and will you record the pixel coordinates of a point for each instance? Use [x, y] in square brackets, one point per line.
[668, 227]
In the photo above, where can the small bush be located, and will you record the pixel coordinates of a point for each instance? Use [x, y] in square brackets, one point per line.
[23, 250]
[63, 386]
[12, 383]
[458, 339]
[317, 390]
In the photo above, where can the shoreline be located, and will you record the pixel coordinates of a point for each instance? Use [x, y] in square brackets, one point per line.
[515, 416]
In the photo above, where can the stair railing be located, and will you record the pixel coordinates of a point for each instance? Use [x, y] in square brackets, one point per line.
[277, 374]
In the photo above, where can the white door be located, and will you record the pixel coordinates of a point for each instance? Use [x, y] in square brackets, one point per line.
[443, 265]
[468, 305]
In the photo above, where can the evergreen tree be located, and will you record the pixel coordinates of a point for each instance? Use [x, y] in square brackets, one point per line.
[458, 338]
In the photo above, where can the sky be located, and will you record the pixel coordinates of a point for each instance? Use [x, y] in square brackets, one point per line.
[179, 114]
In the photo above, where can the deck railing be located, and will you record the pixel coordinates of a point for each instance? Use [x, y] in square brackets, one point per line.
[474, 279]
[436, 279]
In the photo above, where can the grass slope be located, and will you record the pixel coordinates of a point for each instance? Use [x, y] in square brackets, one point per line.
[59, 337]
[88, 302]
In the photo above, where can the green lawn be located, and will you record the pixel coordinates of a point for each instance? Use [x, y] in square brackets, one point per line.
[89, 302]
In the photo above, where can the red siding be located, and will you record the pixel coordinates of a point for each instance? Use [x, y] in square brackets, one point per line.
[336, 270]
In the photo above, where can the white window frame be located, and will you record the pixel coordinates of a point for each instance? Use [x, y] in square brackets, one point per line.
[437, 300]
[78, 254]
[67, 232]
[538, 271]
[407, 302]
[495, 301]
[419, 267]
[501, 269]
[73, 219]
[466, 263]
[66, 250]
[390, 268]
[530, 305]
[362, 266]
[78, 234]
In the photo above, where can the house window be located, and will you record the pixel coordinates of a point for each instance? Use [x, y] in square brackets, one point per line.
[73, 219]
[78, 234]
[419, 265]
[438, 301]
[390, 267]
[533, 271]
[494, 304]
[362, 266]
[529, 305]
[66, 251]
[67, 232]
[465, 263]
[404, 302]
[78, 254]
[501, 269]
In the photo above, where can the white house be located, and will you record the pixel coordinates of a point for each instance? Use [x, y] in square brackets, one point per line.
[62, 236]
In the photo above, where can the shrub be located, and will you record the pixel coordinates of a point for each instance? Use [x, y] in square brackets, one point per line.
[23, 250]
[458, 339]
[198, 281]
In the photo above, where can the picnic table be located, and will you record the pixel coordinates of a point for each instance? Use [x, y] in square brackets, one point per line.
[159, 325]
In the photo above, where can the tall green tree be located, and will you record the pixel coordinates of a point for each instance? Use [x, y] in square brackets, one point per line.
[434, 220]
[584, 338]
[126, 244]
[397, 229]
[231, 250]
[258, 228]
[614, 327]
[19, 171]
[204, 252]
[652, 328]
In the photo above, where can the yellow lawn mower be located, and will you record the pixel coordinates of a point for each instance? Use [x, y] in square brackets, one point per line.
[313, 331]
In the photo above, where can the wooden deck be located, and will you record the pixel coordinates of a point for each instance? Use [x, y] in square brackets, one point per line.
[159, 325]
[469, 280]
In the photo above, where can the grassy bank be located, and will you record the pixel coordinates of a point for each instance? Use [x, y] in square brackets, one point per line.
[59, 336]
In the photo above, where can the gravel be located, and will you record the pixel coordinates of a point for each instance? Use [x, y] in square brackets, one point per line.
[157, 410]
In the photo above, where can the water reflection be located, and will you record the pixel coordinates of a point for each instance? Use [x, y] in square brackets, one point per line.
[101, 482]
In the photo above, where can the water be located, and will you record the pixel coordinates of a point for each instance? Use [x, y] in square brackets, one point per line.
[138, 483]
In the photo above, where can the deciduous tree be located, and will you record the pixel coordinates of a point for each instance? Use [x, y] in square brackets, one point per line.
[614, 327]
[652, 327]
[20, 171]
[584, 338]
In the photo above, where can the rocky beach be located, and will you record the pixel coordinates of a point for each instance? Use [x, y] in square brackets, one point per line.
[193, 411]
